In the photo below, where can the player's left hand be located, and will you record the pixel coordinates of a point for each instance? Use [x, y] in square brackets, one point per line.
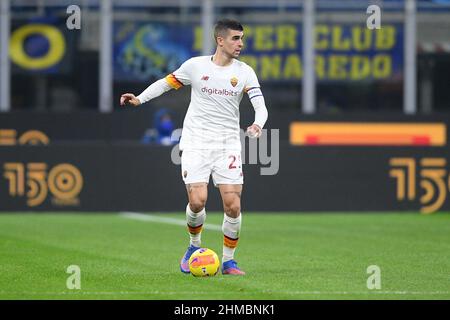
[254, 131]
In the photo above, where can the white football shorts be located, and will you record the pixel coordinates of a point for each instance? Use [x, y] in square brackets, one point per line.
[225, 166]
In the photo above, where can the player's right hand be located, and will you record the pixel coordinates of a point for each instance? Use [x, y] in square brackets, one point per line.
[129, 99]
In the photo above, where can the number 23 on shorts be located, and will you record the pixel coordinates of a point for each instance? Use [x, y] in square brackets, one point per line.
[234, 162]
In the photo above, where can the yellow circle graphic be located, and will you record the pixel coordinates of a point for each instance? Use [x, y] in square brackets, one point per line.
[65, 181]
[34, 137]
[57, 46]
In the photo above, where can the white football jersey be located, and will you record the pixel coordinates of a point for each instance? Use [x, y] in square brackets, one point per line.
[212, 119]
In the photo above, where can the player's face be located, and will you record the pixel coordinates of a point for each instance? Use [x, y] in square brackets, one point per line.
[232, 43]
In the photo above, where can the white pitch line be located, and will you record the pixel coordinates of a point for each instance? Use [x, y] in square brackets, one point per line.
[153, 218]
[230, 292]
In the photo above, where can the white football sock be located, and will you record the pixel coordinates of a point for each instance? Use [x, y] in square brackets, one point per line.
[231, 228]
[195, 223]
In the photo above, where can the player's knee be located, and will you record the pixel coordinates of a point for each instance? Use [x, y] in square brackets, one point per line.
[197, 205]
[233, 209]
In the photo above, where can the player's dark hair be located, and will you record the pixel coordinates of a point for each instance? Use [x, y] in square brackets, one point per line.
[223, 25]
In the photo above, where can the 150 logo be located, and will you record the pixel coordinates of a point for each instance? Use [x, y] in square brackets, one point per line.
[433, 179]
[34, 180]
[9, 137]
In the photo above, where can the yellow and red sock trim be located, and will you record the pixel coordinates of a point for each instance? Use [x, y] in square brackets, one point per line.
[195, 230]
[230, 242]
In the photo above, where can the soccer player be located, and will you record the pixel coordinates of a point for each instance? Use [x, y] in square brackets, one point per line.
[210, 141]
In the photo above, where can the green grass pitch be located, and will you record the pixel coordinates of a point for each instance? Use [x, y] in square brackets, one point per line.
[286, 256]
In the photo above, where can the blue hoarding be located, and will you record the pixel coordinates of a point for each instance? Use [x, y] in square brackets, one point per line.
[344, 52]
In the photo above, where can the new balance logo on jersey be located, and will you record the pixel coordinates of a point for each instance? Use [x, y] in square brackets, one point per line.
[220, 92]
[205, 78]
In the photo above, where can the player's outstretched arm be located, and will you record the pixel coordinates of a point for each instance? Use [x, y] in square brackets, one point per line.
[154, 90]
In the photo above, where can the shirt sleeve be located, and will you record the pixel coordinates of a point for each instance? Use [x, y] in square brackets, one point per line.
[252, 81]
[154, 90]
[252, 88]
[180, 77]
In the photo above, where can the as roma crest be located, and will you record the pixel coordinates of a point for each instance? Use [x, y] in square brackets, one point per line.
[234, 81]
